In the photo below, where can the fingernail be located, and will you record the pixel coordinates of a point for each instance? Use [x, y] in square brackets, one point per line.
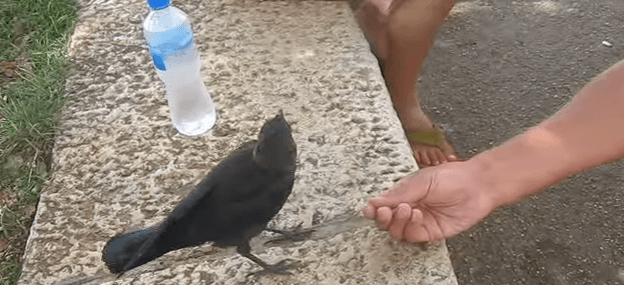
[368, 212]
[415, 216]
[414, 219]
[372, 201]
[403, 212]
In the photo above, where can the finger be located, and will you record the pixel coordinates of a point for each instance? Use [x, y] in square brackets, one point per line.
[384, 217]
[369, 211]
[415, 231]
[388, 201]
[399, 220]
[432, 227]
[409, 190]
[397, 189]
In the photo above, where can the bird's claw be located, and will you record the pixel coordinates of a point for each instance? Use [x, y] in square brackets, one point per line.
[294, 235]
[283, 266]
[278, 268]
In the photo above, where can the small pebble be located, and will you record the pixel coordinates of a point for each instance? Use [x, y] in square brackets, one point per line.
[607, 44]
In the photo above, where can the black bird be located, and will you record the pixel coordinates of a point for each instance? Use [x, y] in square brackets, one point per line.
[230, 206]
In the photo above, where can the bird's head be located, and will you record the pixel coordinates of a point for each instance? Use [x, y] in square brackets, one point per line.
[276, 147]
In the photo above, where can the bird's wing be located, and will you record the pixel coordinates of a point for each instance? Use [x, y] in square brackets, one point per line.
[202, 191]
[207, 185]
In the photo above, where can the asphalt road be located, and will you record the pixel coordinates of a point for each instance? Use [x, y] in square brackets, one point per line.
[497, 68]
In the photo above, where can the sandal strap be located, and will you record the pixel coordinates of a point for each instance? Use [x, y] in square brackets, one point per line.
[429, 137]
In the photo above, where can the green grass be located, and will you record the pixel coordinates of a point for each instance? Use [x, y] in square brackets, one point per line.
[34, 34]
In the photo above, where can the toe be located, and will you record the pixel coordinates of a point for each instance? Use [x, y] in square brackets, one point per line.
[424, 158]
[441, 156]
[433, 156]
[417, 157]
[448, 152]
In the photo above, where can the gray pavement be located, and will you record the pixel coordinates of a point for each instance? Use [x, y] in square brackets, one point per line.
[497, 68]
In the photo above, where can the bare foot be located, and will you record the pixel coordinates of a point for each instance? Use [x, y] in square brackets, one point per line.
[427, 155]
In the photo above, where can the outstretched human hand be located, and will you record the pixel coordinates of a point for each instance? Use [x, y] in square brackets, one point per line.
[442, 201]
[433, 204]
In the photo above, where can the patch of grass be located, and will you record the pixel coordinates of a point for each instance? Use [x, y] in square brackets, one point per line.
[35, 65]
[10, 269]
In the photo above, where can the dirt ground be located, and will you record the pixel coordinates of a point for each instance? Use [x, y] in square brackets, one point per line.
[497, 68]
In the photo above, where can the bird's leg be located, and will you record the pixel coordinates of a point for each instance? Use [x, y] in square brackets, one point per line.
[278, 268]
[295, 235]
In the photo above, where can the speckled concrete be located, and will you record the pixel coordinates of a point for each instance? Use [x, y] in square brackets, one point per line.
[119, 164]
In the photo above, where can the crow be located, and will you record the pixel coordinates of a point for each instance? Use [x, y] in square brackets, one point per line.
[231, 205]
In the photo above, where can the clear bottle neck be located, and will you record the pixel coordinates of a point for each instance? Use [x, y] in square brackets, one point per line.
[162, 11]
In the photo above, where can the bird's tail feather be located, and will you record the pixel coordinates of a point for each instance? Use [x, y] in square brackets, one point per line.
[154, 246]
[120, 249]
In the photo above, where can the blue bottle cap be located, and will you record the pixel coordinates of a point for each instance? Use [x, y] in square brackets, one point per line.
[158, 4]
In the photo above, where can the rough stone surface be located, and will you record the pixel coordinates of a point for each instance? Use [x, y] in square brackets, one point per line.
[119, 165]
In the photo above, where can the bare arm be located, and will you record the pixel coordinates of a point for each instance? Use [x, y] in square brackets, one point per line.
[442, 201]
[587, 132]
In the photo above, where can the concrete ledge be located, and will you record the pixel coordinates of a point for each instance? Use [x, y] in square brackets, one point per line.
[119, 165]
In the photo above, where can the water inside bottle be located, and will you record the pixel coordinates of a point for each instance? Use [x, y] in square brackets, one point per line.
[192, 109]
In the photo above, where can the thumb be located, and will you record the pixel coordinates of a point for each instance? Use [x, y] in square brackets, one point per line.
[410, 189]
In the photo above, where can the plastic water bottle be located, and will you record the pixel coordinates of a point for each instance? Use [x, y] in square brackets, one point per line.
[170, 38]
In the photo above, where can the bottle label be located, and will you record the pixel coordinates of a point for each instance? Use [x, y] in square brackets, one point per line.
[173, 45]
[159, 61]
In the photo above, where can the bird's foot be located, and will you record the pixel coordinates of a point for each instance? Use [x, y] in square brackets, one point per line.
[295, 235]
[278, 268]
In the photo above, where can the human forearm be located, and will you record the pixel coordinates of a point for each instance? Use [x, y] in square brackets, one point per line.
[450, 198]
[523, 166]
[587, 132]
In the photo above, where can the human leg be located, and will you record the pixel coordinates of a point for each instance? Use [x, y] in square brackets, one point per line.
[402, 33]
